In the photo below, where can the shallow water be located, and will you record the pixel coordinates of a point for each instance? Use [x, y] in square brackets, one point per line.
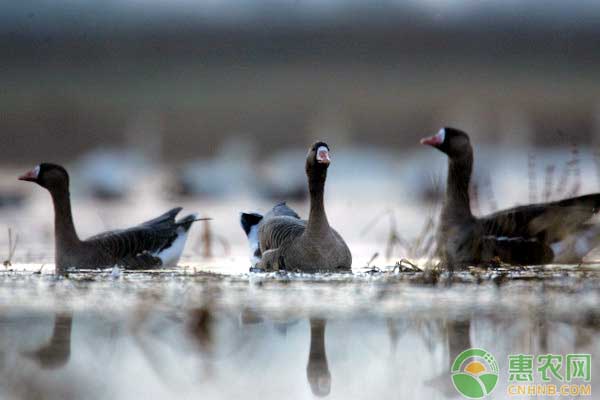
[363, 335]
[209, 329]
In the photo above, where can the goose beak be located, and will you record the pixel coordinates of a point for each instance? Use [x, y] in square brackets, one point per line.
[323, 155]
[30, 176]
[436, 139]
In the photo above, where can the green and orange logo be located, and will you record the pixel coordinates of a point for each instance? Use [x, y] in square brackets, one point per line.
[475, 373]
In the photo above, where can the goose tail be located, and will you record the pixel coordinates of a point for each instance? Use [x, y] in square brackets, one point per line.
[166, 218]
[187, 221]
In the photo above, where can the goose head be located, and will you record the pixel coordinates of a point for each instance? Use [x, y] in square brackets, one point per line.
[319, 378]
[317, 159]
[249, 220]
[453, 142]
[49, 176]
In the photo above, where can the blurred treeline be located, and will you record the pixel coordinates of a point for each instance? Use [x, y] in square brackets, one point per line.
[177, 80]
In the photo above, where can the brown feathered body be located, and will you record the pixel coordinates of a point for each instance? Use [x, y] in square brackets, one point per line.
[532, 234]
[293, 244]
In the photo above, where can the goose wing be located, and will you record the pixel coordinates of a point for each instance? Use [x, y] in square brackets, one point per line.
[167, 219]
[516, 250]
[550, 222]
[281, 210]
[140, 245]
[277, 231]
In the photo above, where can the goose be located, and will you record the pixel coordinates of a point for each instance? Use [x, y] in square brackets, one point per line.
[250, 224]
[287, 242]
[152, 244]
[534, 234]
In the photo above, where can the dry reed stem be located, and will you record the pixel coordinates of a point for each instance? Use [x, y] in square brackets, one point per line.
[12, 247]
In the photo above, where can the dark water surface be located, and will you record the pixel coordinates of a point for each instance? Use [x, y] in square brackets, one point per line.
[273, 336]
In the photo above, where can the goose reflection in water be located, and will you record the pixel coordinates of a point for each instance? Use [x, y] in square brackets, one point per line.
[200, 328]
[317, 369]
[57, 352]
[458, 334]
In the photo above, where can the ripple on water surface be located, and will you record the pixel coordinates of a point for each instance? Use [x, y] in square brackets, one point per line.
[186, 333]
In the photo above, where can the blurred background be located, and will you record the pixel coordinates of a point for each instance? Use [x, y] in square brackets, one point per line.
[218, 100]
[178, 79]
[211, 105]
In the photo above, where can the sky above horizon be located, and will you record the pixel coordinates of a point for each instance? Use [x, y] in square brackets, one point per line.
[57, 15]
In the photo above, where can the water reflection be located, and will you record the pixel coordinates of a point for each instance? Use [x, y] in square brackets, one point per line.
[56, 353]
[587, 332]
[459, 338]
[213, 352]
[317, 369]
[201, 328]
[456, 334]
[197, 343]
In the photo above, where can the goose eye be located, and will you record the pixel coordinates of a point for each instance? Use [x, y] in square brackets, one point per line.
[323, 155]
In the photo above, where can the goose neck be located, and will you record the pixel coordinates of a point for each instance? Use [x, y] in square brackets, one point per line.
[64, 228]
[317, 219]
[457, 188]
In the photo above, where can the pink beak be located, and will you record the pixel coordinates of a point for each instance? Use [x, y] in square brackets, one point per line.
[434, 140]
[323, 157]
[30, 176]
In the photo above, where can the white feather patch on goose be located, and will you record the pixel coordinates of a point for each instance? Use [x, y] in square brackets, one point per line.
[253, 241]
[170, 255]
[441, 135]
[323, 154]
